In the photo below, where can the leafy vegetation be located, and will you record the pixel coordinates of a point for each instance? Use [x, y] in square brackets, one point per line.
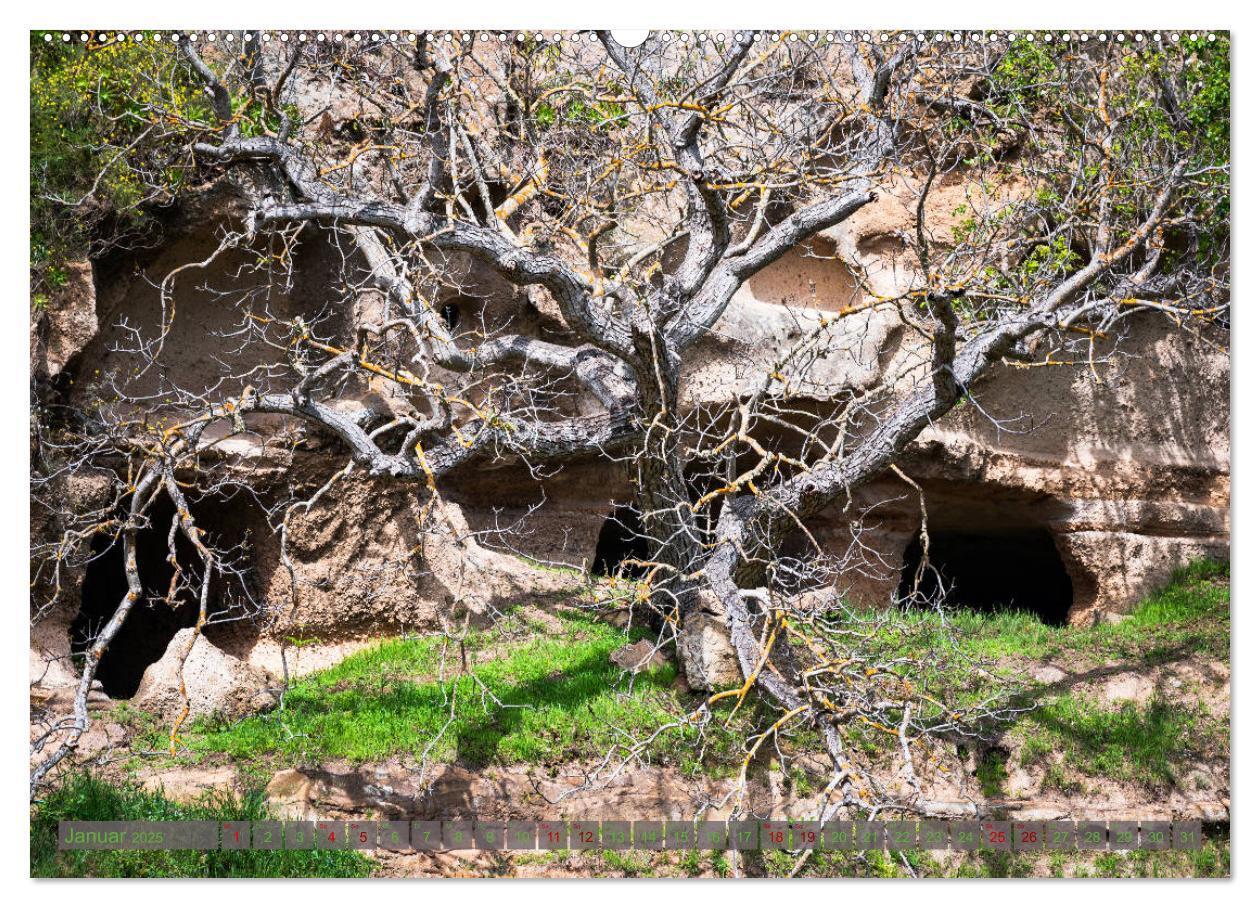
[103, 122]
[1155, 99]
[110, 124]
[87, 798]
[1025, 75]
[594, 115]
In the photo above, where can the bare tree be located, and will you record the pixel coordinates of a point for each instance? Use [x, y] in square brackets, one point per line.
[628, 194]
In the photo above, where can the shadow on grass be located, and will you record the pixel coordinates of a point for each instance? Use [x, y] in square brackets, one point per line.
[571, 691]
[543, 714]
[1141, 742]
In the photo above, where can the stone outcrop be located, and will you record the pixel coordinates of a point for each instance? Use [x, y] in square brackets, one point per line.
[397, 788]
[708, 659]
[705, 653]
[216, 684]
[1125, 465]
[637, 657]
[68, 322]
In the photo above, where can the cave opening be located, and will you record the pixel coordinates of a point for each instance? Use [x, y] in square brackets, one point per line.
[1014, 569]
[153, 622]
[450, 315]
[621, 538]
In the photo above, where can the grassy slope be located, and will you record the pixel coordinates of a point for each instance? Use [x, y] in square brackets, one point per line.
[387, 700]
[553, 698]
[1147, 742]
[1189, 616]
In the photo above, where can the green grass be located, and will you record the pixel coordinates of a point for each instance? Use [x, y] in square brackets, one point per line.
[543, 700]
[86, 798]
[629, 863]
[1144, 743]
[547, 697]
[554, 697]
[1212, 860]
[992, 774]
[1135, 742]
[1072, 736]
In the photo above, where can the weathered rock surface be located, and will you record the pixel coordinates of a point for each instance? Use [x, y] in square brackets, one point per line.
[216, 683]
[1124, 462]
[393, 790]
[1126, 466]
[67, 324]
[708, 659]
[637, 657]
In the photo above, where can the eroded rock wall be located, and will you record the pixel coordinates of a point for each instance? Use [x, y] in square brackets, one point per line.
[1124, 462]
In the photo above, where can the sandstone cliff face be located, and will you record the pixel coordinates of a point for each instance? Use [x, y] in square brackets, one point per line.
[1123, 465]
[67, 324]
[1123, 462]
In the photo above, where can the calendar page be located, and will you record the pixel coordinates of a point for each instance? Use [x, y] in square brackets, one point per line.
[577, 452]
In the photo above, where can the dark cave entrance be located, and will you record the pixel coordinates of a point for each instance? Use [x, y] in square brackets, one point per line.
[620, 538]
[153, 623]
[450, 315]
[1016, 569]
